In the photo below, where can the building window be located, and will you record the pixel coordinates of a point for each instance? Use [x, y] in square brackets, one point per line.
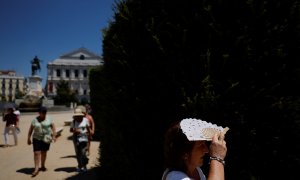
[51, 87]
[67, 73]
[58, 72]
[76, 73]
[85, 92]
[10, 84]
[85, 73]
[82, 57]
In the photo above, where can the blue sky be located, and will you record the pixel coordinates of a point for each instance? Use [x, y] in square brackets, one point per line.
[49, 29]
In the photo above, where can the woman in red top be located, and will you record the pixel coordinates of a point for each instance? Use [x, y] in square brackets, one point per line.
[12, 124]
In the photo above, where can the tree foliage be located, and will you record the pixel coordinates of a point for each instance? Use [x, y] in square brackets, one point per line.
[64, 95]
[234, 63]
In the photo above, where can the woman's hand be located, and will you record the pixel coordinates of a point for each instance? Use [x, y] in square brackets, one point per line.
[76, 130]
[54, 138]
[218, 146]
[29, 141]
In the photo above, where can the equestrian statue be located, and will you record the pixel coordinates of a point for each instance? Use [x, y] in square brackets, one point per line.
[35, 66]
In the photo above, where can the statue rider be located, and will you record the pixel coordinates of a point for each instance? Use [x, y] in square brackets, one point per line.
[35, 65]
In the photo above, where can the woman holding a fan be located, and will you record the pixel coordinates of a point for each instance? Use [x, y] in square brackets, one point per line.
[187, 143]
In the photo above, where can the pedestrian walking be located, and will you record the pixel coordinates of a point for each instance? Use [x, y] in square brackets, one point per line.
[90, 118]
[12, 125]
[80, 128]
[42, 130]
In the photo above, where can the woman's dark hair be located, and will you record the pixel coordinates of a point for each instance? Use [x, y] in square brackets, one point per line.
[176, 145]
[43, 110]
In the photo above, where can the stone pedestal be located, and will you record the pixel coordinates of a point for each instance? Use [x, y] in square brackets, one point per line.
[35, 86]
[35, 96]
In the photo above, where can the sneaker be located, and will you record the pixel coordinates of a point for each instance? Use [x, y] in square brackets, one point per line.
[83, 170]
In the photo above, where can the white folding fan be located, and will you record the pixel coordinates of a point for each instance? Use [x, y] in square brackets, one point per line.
[196, 129]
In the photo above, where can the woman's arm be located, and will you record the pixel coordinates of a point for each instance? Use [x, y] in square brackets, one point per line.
[217, 153]
[17, 121]
[93, 125]
[29, 134]
[89, 129]
[53, 132]
[73, 129]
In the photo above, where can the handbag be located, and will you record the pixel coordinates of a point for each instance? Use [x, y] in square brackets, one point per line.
[47, 138]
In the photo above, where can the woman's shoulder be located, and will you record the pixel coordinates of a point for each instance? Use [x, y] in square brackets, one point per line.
[48, 118]
[34, 119]
[201, 174]
[176, 175]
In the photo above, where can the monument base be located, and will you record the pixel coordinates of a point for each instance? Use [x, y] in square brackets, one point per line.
[35, 98]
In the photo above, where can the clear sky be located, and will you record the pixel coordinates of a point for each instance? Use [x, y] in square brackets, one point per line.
[48, 29]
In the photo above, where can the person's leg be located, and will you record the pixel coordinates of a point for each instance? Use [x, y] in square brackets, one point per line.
[14, 132]
[37, 157]
[43, 160]
[6, 135]
[76, 147]
[83, 155]
[88, 147]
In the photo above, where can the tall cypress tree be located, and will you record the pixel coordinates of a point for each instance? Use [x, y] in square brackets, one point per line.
[233, 63]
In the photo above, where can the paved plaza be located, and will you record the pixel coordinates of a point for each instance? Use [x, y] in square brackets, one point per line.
[16, 162]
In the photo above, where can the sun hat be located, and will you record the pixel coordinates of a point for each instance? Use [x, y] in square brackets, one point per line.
[78, 112]
[196, 129]
[83, 109]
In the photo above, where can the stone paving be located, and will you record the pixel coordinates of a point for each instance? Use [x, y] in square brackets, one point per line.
[16, 162]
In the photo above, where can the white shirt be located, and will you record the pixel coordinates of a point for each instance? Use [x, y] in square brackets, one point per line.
[17, 112]
[178, 175]
[83, 125]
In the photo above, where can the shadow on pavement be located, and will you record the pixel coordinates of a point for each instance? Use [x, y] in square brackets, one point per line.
[26, 170]
[70, 156]
[66, 169]
[91, 174]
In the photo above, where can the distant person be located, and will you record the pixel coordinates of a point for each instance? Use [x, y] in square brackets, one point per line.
[92, 125]
[18, 113]
[186, 145]
[88, 108]
[12, 124]
[80, 128]
[43, 133]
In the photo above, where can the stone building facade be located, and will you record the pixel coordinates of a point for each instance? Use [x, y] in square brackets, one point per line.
[12, 85]
[74, 68]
